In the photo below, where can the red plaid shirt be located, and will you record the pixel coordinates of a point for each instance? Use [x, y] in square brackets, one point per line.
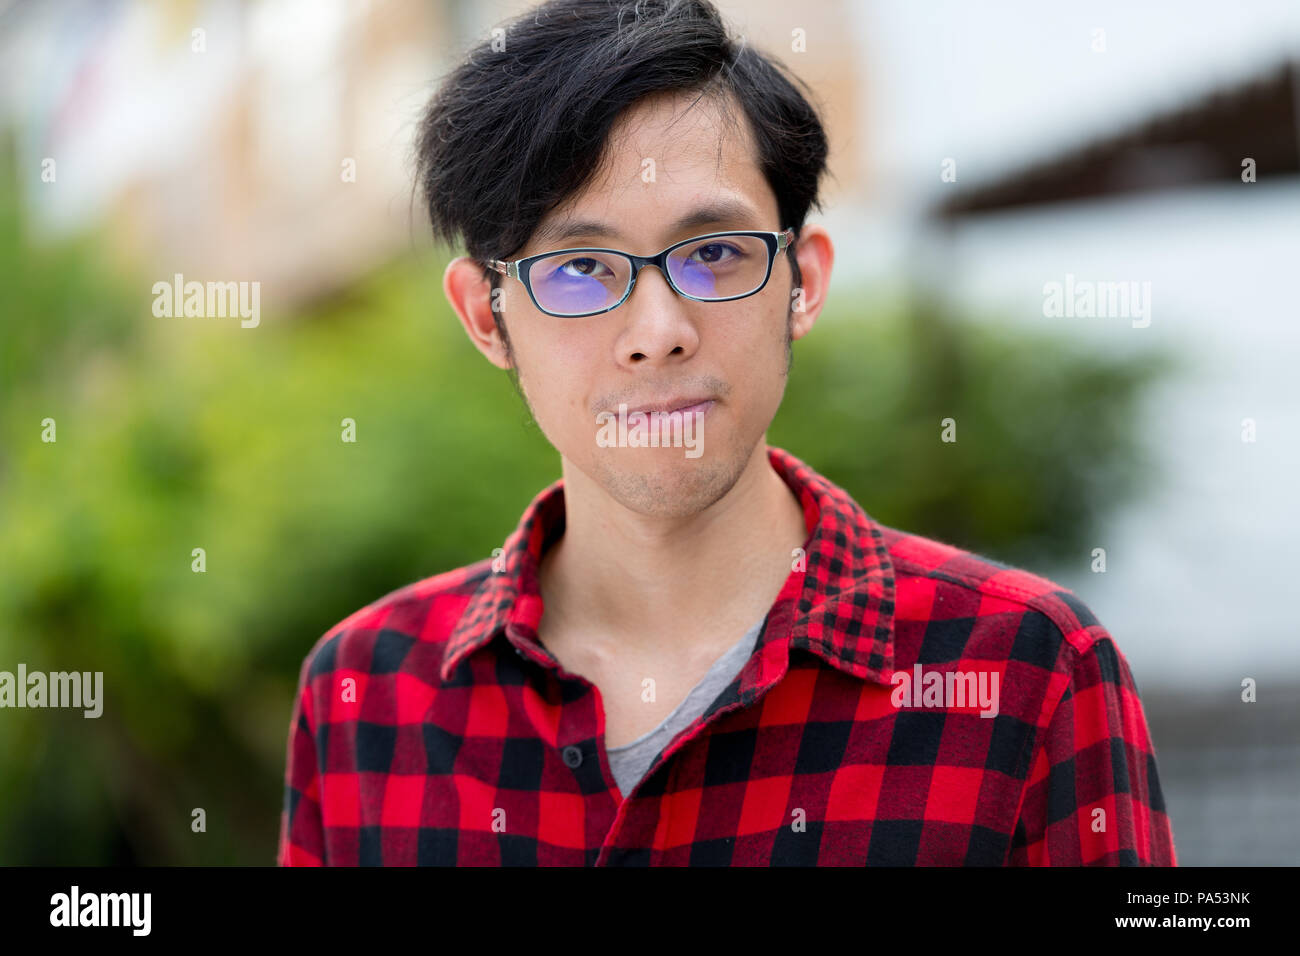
[433, 728]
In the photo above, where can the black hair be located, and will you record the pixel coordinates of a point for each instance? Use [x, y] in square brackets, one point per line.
[521, 123]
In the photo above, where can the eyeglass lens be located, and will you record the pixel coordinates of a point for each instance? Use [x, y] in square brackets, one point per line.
[719, 267]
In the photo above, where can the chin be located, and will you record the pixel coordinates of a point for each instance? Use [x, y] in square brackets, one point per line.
[663, 482]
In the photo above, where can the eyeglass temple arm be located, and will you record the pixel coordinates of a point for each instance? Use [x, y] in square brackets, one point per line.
[784, 239]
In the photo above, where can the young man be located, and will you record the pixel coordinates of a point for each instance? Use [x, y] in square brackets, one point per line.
[698, 652]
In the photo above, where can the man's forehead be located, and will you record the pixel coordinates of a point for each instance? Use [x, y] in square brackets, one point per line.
[677, 160]
[680, 123]
[713, 213]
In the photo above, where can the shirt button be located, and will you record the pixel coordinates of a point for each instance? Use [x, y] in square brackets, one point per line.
[572, 757]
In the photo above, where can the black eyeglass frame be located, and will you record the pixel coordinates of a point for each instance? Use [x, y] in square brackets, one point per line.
[519, 268]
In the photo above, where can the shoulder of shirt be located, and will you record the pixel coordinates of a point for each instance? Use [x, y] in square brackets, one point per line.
[952, 568]
[426, 610]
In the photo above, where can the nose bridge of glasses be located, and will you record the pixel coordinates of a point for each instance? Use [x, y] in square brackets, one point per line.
[659, 261]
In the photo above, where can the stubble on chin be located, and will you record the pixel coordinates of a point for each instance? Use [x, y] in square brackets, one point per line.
[678, 490]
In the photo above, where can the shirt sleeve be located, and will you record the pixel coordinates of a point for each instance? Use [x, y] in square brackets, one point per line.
[302, 837]
[1093, 794]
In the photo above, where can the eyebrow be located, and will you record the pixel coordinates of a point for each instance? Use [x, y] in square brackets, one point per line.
[713, 213]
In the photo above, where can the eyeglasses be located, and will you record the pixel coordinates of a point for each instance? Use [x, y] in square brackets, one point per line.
[717, 267]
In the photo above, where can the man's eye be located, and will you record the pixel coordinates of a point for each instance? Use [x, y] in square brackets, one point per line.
[714, 252]
[584, 266]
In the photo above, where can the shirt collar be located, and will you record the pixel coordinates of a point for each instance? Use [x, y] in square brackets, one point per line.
[845, 609]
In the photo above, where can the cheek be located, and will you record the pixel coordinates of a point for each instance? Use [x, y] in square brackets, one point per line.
[554, 372]
[755, 340]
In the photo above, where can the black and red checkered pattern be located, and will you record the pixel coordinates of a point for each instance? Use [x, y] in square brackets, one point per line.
[433, 728]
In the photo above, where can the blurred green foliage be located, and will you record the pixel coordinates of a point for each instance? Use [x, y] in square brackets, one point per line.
[1048, 434]
[174, 434]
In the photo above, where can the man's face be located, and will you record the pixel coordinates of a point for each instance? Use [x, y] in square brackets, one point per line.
[662, 163]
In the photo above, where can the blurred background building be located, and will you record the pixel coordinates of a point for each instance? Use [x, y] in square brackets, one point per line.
[242, 116]
[979, 152]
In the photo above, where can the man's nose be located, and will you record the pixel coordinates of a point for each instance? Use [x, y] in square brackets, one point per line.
[657, 324]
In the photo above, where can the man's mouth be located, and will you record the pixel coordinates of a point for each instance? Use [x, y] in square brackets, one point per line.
[687, 406]
[699, 408]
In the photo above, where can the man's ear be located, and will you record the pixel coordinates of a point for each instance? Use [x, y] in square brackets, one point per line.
[815, 254]
[470, 294]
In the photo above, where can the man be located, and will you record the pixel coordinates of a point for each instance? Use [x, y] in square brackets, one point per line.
[693, 650]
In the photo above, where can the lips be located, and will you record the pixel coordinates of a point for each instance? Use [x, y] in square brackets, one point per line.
[699, 408]
[685, 405]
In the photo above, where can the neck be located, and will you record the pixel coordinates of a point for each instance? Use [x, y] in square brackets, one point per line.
[652, 583]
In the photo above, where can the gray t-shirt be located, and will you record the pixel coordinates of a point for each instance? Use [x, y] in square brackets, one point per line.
[630, 761]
